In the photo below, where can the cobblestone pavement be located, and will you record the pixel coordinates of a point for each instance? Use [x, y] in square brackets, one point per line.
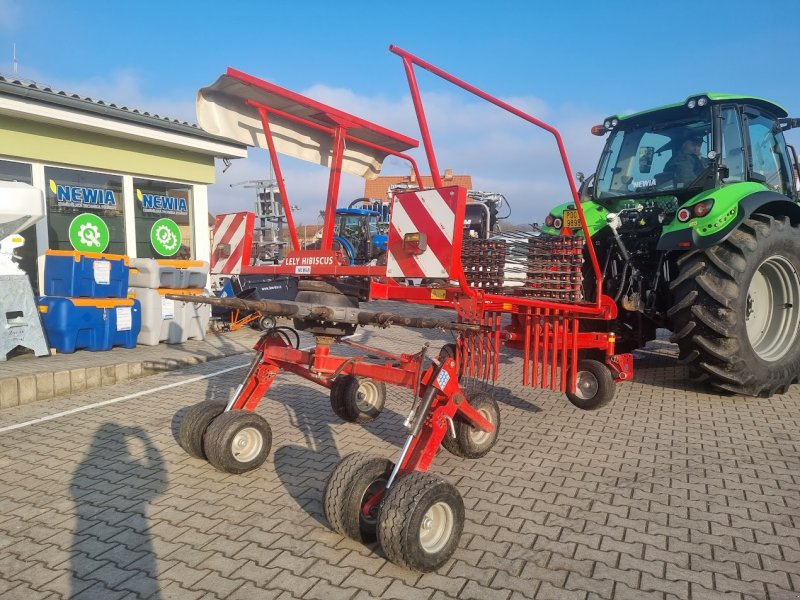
[668, 492]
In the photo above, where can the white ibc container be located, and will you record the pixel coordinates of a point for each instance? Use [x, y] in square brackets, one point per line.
[149, 273]
[187, 274]
[171, 321]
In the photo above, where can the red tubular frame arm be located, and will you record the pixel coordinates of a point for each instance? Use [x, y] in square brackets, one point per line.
[409, 60]
[337, 133]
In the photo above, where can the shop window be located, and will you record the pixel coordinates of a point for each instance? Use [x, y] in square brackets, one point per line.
[16, 171]
[85, 211]
[163, 213]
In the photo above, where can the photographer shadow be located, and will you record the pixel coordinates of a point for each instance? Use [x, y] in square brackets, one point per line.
[112, 486]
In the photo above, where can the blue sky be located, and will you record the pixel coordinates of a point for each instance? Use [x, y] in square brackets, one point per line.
[569, 63]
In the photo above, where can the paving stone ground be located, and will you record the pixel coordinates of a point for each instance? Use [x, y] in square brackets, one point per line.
[667, 492]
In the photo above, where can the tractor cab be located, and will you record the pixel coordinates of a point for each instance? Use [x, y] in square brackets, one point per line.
[358, 237]
[708, 141]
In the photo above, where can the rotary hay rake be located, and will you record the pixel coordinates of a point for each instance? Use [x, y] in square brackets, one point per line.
[521, 292]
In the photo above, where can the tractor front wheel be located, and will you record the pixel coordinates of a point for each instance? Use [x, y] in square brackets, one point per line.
[736, 311]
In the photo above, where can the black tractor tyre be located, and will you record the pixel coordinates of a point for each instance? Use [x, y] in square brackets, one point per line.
[238, 441]
[194, 424]
[326, 299]
[471, 442]
[357, 399]
[736, 309]
[356, 479]
[594, 385]
[420, 521]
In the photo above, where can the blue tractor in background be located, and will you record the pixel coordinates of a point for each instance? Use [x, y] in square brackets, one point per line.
[361, 232]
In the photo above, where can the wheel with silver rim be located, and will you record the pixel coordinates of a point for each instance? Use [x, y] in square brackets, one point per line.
[357, 399]
[594, 385]
[470, 441]
[736, 308]
[772, 307]
[238, 441]
[420, 521]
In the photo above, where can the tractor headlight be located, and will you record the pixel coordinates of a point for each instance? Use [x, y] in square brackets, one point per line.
[607, 123]
[702, 101]
[691, 103]
[548, 220]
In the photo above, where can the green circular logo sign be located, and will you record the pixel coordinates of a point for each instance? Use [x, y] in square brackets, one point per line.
[88, 233]
[165, 236]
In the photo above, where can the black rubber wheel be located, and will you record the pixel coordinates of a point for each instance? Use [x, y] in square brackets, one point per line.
[357, 400]
[325, 299]
[471, 442]
[736, 310]
[267, 322]
[194, 424]
[356, 479]
[594, 385]
[238, 441]
[420, 521]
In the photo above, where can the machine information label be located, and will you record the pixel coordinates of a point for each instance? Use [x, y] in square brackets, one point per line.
[102, 272]
[167, 308]
[572, 219]
[124, 318]
[302, 270]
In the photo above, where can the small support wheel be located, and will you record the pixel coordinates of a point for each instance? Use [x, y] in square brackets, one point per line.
[267, 322]
[194, 424]
[421, 521]
[238, 441]
[471, 442]
[594, 385]
[354, 481]
[357, 400]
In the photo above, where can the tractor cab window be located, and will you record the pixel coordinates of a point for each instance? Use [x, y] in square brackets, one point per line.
[767, 149]
[648, 157]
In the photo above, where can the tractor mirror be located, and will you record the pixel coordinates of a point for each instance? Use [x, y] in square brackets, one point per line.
[646, 158]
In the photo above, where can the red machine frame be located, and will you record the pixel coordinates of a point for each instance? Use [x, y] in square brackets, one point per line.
[547, 332]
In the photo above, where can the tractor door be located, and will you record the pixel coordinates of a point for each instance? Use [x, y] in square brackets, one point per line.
[768, 154]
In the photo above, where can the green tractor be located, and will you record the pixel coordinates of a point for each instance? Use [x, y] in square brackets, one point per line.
[694, 215]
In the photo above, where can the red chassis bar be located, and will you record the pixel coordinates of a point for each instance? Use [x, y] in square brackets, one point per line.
[273, 354]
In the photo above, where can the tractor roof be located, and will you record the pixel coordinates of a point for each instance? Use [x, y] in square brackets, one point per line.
[356, 211]
[717, 97]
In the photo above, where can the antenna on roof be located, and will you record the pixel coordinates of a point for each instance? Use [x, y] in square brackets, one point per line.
[15, 58]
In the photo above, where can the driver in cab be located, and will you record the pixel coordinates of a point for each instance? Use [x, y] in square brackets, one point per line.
[685, 165]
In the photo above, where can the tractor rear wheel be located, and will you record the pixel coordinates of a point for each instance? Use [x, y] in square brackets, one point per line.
[736, 312]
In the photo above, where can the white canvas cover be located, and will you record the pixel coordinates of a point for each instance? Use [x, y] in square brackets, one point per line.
[221, 110]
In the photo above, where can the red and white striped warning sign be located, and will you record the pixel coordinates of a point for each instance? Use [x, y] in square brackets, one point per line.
[434, 215]
[232, 243]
